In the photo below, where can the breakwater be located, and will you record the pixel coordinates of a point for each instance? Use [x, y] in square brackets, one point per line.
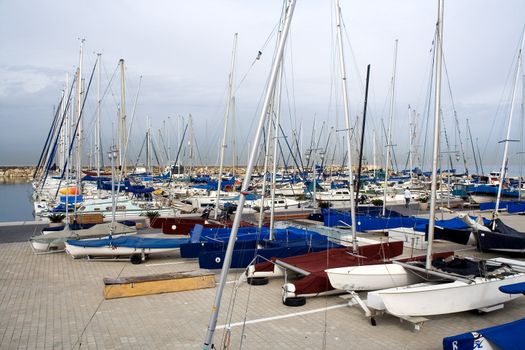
[16, 171]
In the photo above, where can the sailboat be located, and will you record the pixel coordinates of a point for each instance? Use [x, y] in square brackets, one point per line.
[465, 284]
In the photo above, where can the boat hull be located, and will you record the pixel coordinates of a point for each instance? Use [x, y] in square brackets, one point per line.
[80, 252]
[427, 299]
[370, 277]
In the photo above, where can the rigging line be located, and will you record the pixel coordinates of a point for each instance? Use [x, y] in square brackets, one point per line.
[455, 115]
[511, 72]
[428, 102]
[109, 87]
[198, 150]
[258, 57]
[79, 339]
[449, 152]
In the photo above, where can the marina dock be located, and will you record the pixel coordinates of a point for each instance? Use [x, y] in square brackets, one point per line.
[51, 301]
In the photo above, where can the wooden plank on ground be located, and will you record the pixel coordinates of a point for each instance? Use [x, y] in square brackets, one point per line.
[154, 284]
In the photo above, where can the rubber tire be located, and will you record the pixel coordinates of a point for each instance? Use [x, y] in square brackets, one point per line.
[135, 259]
[257, 281]
[294, 302]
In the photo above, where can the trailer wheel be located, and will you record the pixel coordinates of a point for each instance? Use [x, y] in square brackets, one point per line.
[295, 301]
[136, 259]
[257, 281]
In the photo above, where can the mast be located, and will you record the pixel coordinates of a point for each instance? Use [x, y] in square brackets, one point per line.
[124, 135]
[265, 165]
[374, 152]
[389, 136]
[362, 135]
[79, 113]
[507, 139]
[473, 149]
[208, 342]
[97, 128]
[347, 126]
[410, 160]
[234, 142]
[225, 131]
[435, 153]
[277, 109]
[190, 143]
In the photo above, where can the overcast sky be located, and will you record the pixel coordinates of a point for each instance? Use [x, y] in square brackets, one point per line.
[182, 50]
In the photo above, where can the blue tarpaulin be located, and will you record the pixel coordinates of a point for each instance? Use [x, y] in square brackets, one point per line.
[508, 336]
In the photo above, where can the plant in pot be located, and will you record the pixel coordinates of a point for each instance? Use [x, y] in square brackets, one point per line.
[423, 202]
[377, 202]
[56, 219]
[151, 216]
[324, 204]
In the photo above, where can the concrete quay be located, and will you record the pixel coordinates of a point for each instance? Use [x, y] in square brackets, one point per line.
[54, 302]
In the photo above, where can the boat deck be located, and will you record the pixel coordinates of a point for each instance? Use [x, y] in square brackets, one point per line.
[52, 301]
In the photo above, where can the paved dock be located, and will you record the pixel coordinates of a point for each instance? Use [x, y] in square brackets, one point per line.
[54, 302]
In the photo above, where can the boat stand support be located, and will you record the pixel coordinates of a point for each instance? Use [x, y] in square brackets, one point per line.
[355, 299]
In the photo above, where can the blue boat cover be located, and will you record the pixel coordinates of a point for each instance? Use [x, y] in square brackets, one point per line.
[516, 207]
[454, 223]
[369, 222]
[130, 242]
[508, 336]
[515, 288]
[492, 205]
[243, 257]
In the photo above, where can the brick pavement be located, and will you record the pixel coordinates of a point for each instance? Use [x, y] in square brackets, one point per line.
[54, 302]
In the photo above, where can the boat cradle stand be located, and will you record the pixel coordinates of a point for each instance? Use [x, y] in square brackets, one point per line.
[354, 299]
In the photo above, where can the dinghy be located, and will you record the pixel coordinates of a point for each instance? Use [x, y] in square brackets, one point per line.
[54, 241]
[135, 247]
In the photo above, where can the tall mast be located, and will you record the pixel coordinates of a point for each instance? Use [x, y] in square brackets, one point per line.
[97, 132]
[123, 130]
[389, 144]
[374, 152]
[277, 110]
[79, 110]
[410, 126]
[190, 143]
[148, 146]
[225, 131]
[347, 125]
[62, 143]
[507, 139]
[473, 149]
[361, 152]
[435, 151]
[208, 342]
[234, 142]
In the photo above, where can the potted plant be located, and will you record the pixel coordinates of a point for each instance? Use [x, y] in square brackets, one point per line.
[56, 219]
[151, 216]
[377, 202]
[423, 202]
[324, 204]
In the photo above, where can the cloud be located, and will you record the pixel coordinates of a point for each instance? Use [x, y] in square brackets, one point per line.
[23, 80]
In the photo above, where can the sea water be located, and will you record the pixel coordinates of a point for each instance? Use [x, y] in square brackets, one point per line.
[15, 200]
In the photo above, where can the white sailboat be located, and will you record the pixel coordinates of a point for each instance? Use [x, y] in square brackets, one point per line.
[476, 289]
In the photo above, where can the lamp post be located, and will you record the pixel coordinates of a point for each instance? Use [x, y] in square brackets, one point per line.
[112, 155]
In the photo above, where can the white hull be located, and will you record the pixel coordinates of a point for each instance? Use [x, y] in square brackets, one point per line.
[107, 251]
[370, 277]
[426, 299]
